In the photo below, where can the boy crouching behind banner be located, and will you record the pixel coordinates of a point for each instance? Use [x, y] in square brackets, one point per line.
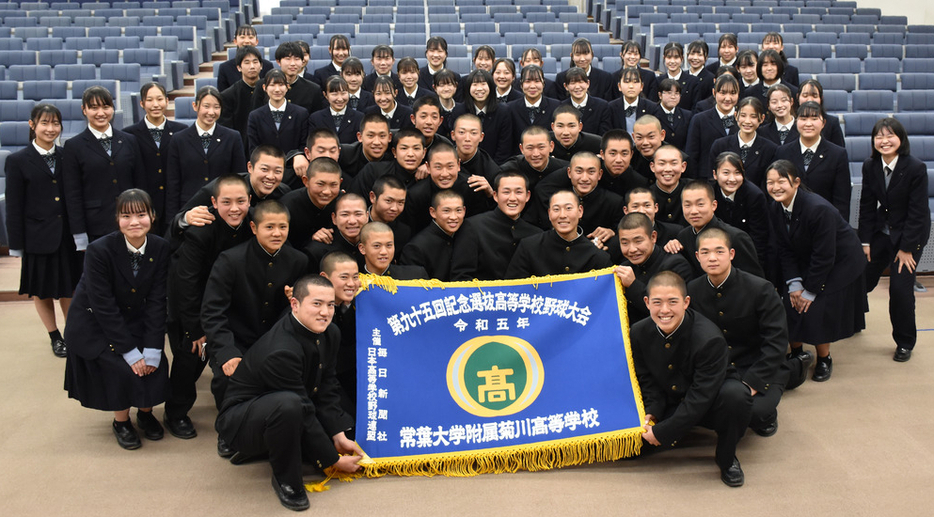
[284, 400]
[682, 364]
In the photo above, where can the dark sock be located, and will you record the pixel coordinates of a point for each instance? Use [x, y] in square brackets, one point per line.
[55, 335]
[124, 423]
[825, 359]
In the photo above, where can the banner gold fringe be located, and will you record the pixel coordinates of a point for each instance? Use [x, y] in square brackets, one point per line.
[531, 457]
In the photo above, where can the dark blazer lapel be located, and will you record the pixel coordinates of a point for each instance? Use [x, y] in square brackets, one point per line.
[216, 141]
[146, 139]
[94, 145]
[121, 256]
[897, 175]
[37, 162]
[117, 144]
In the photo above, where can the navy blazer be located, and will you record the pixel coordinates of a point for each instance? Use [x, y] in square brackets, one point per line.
[903, 206]
[791, 75]
[690, 87]
[649, 84]
[190, 168]
[112, 310]
[549, 90]
[676, 132]
[301, 92]
[370, 80]
[420, 91]
[601, 84]
[35, 202]
[514, 93]
[769, 131]
[760, 91]
[820, 247]
[321, 75]
[292, 132]
[347, 134]
[228, 75]
[427, 81]
[365, 101]
[828, 175]
[595, 115]
[155, 162]
[618, 112]
[706, 127]
[401, 118]
[519, 118]
[831, 132]
[749, 212]
[758, 158]
[705, 81]
[93, 180]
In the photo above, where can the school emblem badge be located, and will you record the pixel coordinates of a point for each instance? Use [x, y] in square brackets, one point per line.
[492, 376]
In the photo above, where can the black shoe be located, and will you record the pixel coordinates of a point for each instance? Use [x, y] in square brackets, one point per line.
[799, 352]
[240, 458]
[902, 354]
[290, 497]
[151, 428]
[799, 365]
[733, 476]
[920, 288]
[180, 427]
[126, 435]
[59, 348]
[768, 430]
[224, 450]
[823, 369]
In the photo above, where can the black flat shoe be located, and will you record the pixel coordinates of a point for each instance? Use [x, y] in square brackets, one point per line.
[59, 348]
[902, 354]
[151, 427]
[180, 427]
[224, 450]
[768, 430]
[823, 369]
[290, 497]
[126, 435]
[733, 475]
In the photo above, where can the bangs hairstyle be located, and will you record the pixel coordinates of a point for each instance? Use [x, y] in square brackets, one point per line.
[630, 74]
[581, 46]
[382, 51]
[246, 30]
[97, 96]
[134, 201]
[669, 84]
[727, 38]
[776, 37]
[275, 77]
[673, 48]
[785, 90]
[338, 41]
[40, 111]
[636, 221]
[289, 49]
[444, 76]
[531, 53]
[384, 82]
[208, 91]
[576, 74]
[532, 73]
[785, 169]
[699, 45]
[629, 46]
[896, 127]
[336, 83]
[816, 85]
[726, 81]
[144, 90]
[811, 109]
[384, 183]
[747, 58]
[352, 66]
[486, 50]
[436, 43]
[247, 50]
[754, 102]
[731, 158]
[407, 64]
[770, 56]
[509, 63]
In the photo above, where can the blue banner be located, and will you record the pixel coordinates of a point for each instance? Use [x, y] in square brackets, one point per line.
[490, 374]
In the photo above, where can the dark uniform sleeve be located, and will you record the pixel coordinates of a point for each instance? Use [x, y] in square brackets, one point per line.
[653, 398]
[189, 268]
[773, 331]
[519, 265]
[466, 256]
[214, 306]
[154, 335]
[99, 282]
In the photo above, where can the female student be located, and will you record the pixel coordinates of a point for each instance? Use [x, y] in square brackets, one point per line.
[726, 52]
[774, 41]
[823, 166]
[153, 135]
[201, 152]
[483, 58]
[673, 54]
[37, 223]
[384, 95]
[741, 203]
[116, 328]
[708, 126]
[747, 62]
[780, 126]
[279, 123]
[697, 59]
[811, 90]
[445, 87]
[601, 82]
[497, 133]
[821, 263]
[769, 70]
[894, 225]
[756, 153]
[337, 116]
[352, 72]
[436, 52]
[504, 75]
[97, 165]
[631, 55]
[533, 56]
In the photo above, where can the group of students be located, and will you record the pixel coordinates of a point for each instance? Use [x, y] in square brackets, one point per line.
[260, 260]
